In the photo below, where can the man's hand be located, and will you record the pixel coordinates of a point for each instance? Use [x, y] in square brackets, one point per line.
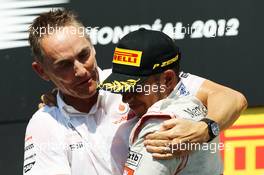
[173, 133]
[48, 98]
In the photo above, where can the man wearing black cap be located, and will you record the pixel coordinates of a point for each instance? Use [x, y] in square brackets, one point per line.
[146, 58]
[87, 132]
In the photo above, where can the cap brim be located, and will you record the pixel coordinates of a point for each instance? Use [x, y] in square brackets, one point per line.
[120, 83]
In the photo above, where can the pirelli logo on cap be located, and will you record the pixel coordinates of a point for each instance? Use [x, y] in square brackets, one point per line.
[127, 57]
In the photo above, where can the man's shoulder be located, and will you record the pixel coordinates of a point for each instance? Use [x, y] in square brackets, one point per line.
[46, 116]
[148, 123]
[191, 82]
[45, 113]
[151, 124]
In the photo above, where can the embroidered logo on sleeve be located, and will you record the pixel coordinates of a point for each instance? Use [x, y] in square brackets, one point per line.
[134, 158]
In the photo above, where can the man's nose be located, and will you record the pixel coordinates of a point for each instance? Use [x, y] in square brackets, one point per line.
[79, 69]
[127, 97]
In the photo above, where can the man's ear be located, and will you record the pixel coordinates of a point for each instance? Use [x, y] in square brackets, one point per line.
[170, 79]
[38, 68]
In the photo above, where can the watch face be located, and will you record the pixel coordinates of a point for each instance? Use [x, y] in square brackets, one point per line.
[215, 129]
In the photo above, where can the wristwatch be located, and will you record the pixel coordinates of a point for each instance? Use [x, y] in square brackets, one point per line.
[213, 128]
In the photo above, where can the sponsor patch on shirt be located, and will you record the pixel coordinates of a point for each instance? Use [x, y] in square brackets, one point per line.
[128, 171]
[29, 154]
[184, 75]
[74, 141]
[196, 112]
[134, 158]
[28, 167]
[123, 118]
[76, 146]
[122, 108]
[182, 91]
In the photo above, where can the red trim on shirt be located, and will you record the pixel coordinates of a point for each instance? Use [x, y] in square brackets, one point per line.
[143, 119]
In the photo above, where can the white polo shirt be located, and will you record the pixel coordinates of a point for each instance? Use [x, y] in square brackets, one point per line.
[61, 140]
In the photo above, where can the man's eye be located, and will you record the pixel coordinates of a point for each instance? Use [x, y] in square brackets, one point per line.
[65, 64]
[84, 55]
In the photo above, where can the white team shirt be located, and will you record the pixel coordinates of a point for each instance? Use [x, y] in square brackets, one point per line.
[62, 140]
[203, 161]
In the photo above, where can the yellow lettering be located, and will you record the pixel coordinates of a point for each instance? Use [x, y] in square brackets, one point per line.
[155, 65]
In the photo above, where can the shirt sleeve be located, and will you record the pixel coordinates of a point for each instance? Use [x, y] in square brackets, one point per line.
[191, 82]
[44, 154]
[140, 161]
[187, 107]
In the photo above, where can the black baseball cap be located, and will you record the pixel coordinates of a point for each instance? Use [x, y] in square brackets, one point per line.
[138, 55]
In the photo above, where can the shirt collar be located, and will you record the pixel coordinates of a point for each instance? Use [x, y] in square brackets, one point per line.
[70, 111]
